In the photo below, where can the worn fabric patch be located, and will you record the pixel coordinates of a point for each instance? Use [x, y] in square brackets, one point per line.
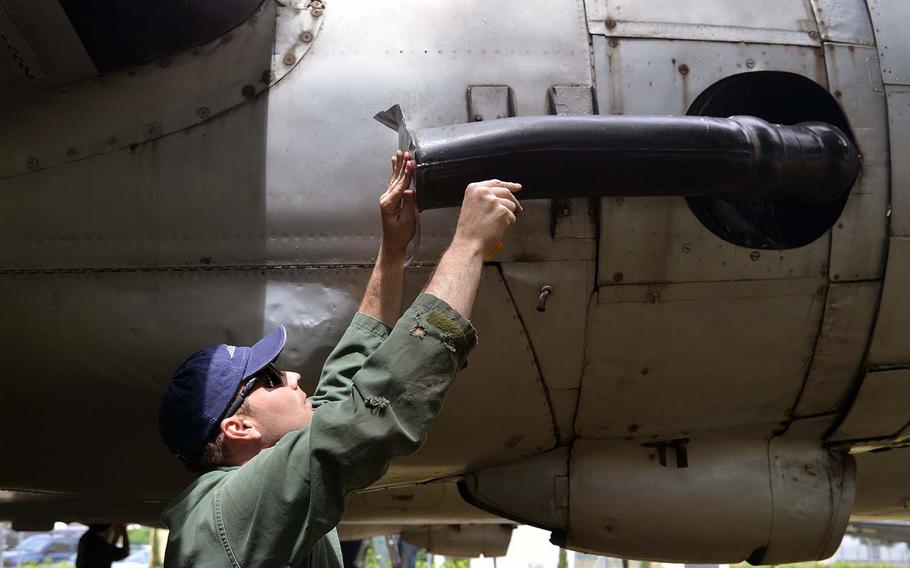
[452, 335]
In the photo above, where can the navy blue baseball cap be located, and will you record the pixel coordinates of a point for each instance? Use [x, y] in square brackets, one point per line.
[203, 386]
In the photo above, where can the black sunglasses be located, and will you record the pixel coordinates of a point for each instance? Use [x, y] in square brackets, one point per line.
[269, 376]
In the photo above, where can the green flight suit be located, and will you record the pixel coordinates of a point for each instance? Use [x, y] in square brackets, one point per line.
[378, 393]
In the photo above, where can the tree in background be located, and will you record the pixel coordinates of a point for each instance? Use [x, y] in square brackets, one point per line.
[563, 559]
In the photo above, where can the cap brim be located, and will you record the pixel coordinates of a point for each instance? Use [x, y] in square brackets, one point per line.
[265, 351]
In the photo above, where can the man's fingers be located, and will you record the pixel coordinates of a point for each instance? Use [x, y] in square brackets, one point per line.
[510, 185]
[506, 195]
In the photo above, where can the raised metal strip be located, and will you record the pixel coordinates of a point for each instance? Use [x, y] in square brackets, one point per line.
[844, 21]
[889, 341]
[859, 238]
[899, 133]
[659, 239]
[849, 313]
[788, 22]
[889, 19]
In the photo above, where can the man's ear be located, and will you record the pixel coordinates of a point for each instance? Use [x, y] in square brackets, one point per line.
[241, 428]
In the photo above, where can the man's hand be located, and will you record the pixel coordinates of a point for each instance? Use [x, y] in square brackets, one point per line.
[397, 206]
[488, 209]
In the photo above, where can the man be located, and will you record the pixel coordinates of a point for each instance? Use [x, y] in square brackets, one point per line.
[281, 464]
[98, 546]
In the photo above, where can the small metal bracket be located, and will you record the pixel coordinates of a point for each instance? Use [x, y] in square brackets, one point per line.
[489, 102]
[678, 446]
[569, 100]
[296, 27]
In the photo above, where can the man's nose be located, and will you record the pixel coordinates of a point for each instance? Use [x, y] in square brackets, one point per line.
[292, 379]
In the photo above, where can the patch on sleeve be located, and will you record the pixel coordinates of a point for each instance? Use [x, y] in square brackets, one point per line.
[452, 335]
[376, 402]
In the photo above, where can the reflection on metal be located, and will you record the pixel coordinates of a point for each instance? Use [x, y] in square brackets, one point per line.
[859, 238]
[774, 22]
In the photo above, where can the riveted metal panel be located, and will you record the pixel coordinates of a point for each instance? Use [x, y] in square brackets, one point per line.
[859, 238]
[889, 19]
[844, 21]
[776, 21]
[881, 408]
[557, 334]
[849, 313]
[314, 113]
[663, 359]
[106, 113]
[889, 342]
[899, 133]
[659, 239]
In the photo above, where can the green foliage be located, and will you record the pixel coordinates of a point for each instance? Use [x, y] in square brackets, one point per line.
[47, 565]
[456, 563]
[563, 559]
[139, 534]
[372, 559]
[422, 559]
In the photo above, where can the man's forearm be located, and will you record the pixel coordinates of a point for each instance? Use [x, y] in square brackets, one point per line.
[382, 299]
[457, 277]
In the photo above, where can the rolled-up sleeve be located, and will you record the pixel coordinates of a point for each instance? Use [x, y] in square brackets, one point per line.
[289, 496]
[363, 336]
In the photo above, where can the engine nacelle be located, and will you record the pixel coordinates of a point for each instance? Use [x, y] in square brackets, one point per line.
[715, 498]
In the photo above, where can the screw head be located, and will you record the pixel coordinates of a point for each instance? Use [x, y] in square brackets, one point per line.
[202, 112]
[813, 34]
[111, 141]
[620, 200]
[653, 297]
[687, 248]
[32, 163]
[617, 277]
[754, 255]
[683, 69]
[249, 91]
[750, 63]
[611, 23]
[478, 118]
[565, 212]
[289, 59]
[614, 42]
[306, 37]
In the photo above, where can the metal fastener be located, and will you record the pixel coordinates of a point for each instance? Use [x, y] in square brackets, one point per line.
[289, 59]
[249, 91]
[620, 200]
[306, 37]
[683, 69]
[150, 131]
[111, 141]
[316, 8]
[813, 34]
[478, 118]
[614, 42]
[611, 23]
[32, 163]
[755, 255]
[542, 297]
[617, 277]
[653, 297]
[202, 112]
[750, 63]
[687, 248]
[565, 212]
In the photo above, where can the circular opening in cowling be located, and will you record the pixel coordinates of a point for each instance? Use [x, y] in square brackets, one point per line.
[781, 98]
